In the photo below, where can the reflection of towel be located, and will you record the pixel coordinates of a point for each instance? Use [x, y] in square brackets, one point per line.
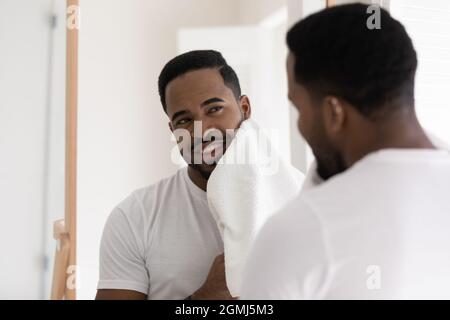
[242, 196]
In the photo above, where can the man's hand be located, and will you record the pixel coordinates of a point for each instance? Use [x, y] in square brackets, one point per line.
[215, 286]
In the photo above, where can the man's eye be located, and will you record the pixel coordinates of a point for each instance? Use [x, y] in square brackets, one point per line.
[214, 109]
[183, 121]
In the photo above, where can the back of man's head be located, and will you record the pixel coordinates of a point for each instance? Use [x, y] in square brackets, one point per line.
[197, 60]
[336, 53]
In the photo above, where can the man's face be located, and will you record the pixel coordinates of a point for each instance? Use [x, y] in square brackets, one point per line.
[202, 95]
[311, 126]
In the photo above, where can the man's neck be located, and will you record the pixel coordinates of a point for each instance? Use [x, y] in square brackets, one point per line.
[391, 135]
[197, 178]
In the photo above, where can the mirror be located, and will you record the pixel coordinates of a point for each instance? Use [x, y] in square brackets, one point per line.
[124, 142]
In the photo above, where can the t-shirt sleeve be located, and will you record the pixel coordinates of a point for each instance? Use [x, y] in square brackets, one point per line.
[122, 258]
[289, 259]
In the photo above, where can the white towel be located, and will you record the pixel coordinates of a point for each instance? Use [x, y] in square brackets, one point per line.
[242, 196]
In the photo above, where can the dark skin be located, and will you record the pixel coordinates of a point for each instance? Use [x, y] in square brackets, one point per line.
[339, 135]
[202, 95]
[199, 95]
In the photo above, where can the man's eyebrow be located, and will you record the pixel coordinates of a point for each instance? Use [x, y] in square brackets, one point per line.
[212, 100]
[179, 113]
[204, 103]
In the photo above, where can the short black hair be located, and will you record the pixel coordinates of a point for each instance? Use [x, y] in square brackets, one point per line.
[196, 60]
[337, 54]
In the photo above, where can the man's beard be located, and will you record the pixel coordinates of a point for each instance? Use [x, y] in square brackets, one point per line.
[200, 168]
[330, 165]
[206, 170]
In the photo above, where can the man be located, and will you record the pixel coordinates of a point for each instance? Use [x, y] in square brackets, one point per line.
[377, 227]
[162, 241]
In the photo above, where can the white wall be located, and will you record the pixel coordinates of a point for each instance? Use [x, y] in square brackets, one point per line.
[30, 128]
[56, 140]
[428, 25]
[123, 137]
[254, 11]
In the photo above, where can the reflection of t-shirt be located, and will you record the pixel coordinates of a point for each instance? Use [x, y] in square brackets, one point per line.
[379, 230]
[161, 240]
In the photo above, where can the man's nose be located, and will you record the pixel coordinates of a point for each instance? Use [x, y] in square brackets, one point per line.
[202, 127]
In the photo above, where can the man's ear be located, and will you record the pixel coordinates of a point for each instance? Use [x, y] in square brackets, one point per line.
[334, 115]
[245, 106]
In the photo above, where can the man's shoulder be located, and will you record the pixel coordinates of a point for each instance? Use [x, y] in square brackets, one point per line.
[339, 189]
[144, 200]
[162, 185]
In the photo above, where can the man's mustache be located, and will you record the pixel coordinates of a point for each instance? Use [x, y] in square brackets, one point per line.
[195, 143]
[204, 143]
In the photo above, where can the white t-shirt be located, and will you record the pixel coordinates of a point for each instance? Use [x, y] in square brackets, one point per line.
[380, 230]
[161, 240]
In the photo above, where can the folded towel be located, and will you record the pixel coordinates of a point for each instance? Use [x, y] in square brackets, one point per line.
[242, 195]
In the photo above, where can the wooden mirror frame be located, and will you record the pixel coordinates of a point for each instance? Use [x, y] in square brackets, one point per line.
[64, 232]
